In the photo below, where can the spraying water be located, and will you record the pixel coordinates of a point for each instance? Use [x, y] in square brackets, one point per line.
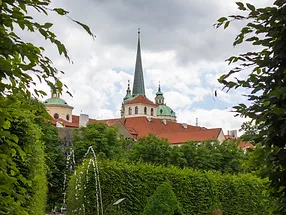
[79, 186]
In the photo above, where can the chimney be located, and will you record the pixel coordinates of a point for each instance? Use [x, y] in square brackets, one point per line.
[83, 120]
[184, 125]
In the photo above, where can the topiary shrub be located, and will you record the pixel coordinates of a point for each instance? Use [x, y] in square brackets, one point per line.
[162, 202]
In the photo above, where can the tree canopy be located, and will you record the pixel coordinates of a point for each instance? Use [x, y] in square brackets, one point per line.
[22, 156]
[104, 140]
[225, 157]
[264, 28]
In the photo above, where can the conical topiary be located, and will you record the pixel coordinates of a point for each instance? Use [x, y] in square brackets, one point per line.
[163, 202]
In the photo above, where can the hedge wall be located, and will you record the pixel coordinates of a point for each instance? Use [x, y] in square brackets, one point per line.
[196, 191]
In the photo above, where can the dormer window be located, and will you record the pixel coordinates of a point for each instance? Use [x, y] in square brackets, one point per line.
[145, 110]
[161, 111]
[136, 110]
[130, 111]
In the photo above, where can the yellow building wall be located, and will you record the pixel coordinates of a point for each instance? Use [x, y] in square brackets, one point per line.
[63, 111]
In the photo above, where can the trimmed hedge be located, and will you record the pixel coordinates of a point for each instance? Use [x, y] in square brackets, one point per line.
[196, 191]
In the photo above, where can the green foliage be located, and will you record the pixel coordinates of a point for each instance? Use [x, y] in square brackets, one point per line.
[208, 155]
[265, 28]
[104, 140]
[151, 149]
[19, 58]
[196, 191]
[22, 176]
[225, 157]
[162, 202]
[23, 184]
[56, 163]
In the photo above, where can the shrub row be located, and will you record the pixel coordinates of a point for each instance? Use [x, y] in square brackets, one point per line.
[197, 191]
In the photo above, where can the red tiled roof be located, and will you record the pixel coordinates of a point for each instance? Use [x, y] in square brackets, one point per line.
[65, 123]
[228, 137]
[141, 99]
[245, 145]
[175, 132]
[139, 127]
[182, 137]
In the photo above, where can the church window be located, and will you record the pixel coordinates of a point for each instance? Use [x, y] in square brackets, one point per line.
[56, 116]
[145, 110]
[68, 117]
[136, 110]
[161, 111]
[130, 111]
[152, 111]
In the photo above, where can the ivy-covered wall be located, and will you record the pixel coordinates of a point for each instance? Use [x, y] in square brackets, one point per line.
[196, 191]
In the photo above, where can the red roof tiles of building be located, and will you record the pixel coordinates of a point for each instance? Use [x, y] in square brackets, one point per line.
[175, 132]
[199, 135]
[65, 123]
[228, 137]
[139, 127]
[140, 99]
[245, 145]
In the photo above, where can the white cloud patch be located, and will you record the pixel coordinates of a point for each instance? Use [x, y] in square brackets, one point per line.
[215, 118]
[180, 48]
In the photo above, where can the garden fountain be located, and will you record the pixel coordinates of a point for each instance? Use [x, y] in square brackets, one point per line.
[79, 186]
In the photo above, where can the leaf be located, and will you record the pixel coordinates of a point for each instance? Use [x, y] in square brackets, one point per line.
[85, 27]
[222, 19]
[6, 125]
[250, 7]
[240, 6]
[61, 11]
[226, 24]
[48, 25]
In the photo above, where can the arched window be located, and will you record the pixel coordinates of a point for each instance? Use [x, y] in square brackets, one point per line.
[136, 110]
[161, 111]
[56, 116]
[130, 111]
[145, 110]
[152, 111]
[68, 117]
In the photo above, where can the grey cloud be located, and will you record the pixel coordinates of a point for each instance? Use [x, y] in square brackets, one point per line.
[184, 26]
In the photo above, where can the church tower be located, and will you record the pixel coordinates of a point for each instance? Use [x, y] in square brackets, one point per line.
[159, 99]
[136, 103]
[138, 83]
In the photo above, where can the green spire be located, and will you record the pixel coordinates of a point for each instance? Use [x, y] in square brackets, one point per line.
[159, 93]
[128, 92]
[159, 99]
[138, 83]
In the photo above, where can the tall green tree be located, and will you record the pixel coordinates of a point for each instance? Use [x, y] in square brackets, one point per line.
[56, 164]
[105, 141]
[151, 149]
[23, 183]
[22, 178]
[264, 28]
[225, 157]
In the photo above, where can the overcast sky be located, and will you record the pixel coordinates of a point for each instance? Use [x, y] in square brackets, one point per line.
[180, 48]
